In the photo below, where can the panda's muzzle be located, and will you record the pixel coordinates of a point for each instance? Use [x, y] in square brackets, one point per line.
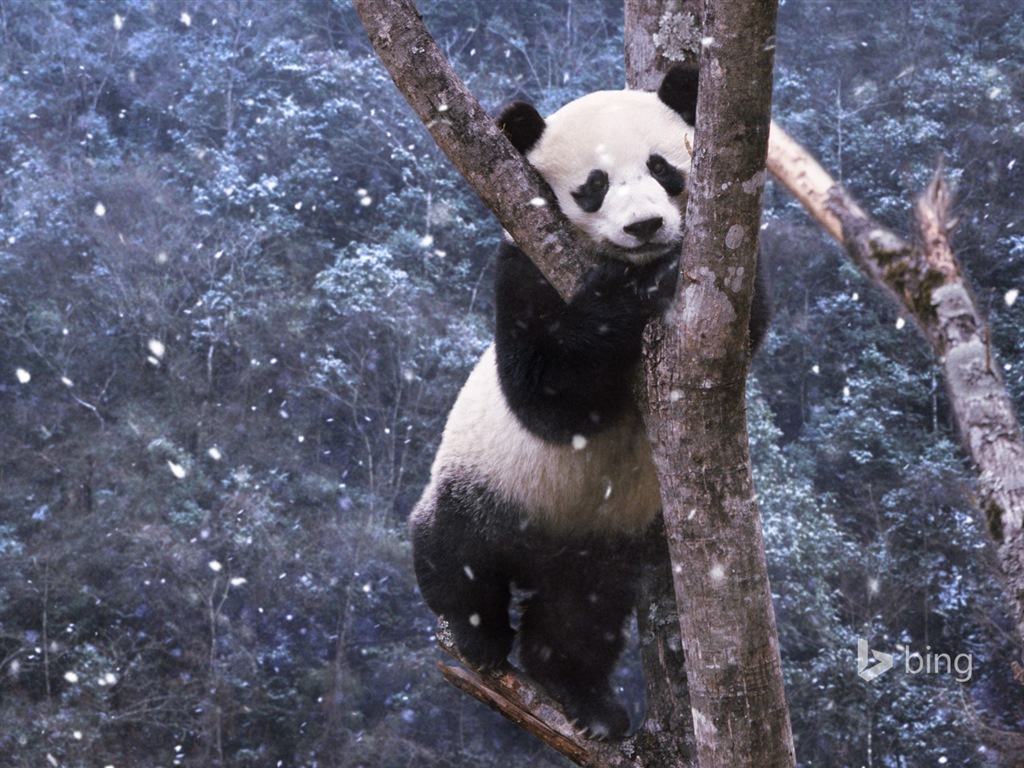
[644, 230]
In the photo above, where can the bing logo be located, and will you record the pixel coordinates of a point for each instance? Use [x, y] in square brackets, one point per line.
[878, 663]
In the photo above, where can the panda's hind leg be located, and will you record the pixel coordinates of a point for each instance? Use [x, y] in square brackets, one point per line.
[462, 573]
[572, 631]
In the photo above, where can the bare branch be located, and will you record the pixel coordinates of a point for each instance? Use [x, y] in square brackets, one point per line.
[928, 283]
[518, 699]
[804, 177]
[936, 228]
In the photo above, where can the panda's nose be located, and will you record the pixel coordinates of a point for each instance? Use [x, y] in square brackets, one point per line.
[644, 230]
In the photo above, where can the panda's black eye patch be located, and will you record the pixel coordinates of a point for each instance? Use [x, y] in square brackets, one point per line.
[591, 194]
[666, 174]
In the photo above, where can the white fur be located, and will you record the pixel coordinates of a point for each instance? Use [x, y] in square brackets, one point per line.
[616, 131]
[607, 484]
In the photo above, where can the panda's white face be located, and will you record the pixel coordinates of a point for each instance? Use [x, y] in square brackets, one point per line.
[618, 163]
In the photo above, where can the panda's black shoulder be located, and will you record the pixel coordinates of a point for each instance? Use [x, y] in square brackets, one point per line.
[523, 297]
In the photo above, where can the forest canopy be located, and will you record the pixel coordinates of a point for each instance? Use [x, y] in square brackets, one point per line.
[240, 288]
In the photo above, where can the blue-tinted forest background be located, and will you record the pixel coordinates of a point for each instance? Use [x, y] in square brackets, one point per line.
[240, 288]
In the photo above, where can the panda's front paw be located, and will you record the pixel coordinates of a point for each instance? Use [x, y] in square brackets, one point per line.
[657, 282]
[607, 280]
[650, 285]
[485, 648]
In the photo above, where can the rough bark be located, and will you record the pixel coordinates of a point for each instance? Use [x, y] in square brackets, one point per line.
[667, 734]
[659, 33]
[497, 173]
[696, 375]
[927, 283]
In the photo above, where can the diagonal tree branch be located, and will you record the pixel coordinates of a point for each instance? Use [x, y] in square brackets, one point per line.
[928, 283]
[516, 698]
[497, 173]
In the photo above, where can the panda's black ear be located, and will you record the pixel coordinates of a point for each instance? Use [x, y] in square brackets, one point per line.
[679, 91]
[521, 124]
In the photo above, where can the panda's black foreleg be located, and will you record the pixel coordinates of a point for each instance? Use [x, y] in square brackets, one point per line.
[462, 572]
[572, 632]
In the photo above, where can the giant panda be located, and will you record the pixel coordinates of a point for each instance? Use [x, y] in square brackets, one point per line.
[544, 476]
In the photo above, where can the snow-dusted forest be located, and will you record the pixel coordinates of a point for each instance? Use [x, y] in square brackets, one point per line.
[240, 289]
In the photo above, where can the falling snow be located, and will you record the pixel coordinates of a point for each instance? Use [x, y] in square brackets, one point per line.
[1011, 297]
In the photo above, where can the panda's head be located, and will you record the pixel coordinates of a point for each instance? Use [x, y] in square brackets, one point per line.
[617, 161]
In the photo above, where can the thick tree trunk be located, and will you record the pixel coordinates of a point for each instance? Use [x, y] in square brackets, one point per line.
[668, 725]
[928, 284]
[696, 377]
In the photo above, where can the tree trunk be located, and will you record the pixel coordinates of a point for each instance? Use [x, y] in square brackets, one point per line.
[696, 376]
[659, 33]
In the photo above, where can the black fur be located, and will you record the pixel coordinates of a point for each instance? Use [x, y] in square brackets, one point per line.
[679, 91]
[590, 196]
[522, 125]
[581, 593]
[566, 369]
[760, 307]
[671, 178]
